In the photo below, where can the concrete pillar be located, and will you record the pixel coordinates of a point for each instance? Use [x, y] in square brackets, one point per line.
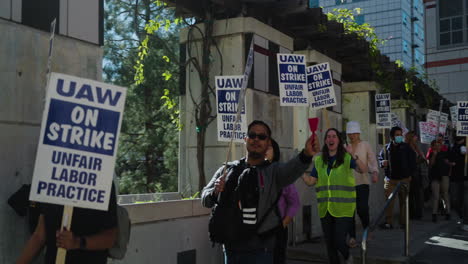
[233, 39]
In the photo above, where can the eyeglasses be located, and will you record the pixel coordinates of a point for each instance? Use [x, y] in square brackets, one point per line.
[259, 136]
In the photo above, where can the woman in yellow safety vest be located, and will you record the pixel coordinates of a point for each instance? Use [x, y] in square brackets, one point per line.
[334, 182]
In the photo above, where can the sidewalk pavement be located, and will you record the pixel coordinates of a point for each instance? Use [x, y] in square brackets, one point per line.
[386, 246]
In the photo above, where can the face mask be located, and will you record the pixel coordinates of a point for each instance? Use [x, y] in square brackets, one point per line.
[399, 139]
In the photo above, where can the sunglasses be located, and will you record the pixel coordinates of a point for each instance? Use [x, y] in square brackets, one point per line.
[259, 136]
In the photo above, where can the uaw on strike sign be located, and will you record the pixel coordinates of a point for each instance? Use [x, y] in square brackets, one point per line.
[78, 142]
[320, 86]
[292, 80]
[462, 122]
[228, 89]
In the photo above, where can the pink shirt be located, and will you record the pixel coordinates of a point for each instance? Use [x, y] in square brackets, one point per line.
[367, 156]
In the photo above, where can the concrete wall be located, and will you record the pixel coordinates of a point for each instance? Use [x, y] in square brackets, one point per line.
[22, 73]
[163, 232]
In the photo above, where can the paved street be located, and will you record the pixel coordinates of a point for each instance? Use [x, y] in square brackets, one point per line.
[430, 243]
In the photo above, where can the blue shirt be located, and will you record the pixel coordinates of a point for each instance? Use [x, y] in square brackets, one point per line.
[331, 159]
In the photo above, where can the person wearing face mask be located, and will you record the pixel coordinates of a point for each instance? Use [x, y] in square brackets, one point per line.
[335, 184]
[399, 162]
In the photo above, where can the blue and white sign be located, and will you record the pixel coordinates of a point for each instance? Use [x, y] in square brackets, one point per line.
[78, 142]
[383, 110]
[320, 86]
[462, 122]
[228, 89]
[454, 115]
[292, 80]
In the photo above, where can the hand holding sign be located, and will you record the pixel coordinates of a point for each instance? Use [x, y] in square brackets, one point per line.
[65, 239]
[219, 184]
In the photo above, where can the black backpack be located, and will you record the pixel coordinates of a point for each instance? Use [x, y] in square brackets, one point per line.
[226, 217]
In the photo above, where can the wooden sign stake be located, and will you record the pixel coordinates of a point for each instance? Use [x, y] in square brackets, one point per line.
[66, 223]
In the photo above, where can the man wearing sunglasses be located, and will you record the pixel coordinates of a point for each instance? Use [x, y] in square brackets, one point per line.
[272, 177]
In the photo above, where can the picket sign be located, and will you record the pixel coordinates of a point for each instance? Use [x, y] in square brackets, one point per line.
[241, 102]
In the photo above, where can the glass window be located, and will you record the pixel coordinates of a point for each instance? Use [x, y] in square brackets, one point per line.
[313, 3]
[448, 8]
[457, 23]
[457, 37]
[405, 46]
[453, 22]
[405, 18]
[444, 25]
[444, 39]
[359, 19]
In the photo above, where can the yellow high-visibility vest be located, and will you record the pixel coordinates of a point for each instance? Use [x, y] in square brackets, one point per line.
[336, 193]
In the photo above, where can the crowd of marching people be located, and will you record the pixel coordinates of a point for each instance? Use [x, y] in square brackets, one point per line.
[254, 199]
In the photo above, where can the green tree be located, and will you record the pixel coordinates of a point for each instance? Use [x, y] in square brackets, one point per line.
[202, 63]
[148, 147]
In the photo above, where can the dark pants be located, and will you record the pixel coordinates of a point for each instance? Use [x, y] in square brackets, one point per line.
[279, 254]
[335, 230]
[261, 256]
[362, 208]
[465, 204]
[416, 198]
[456, 196]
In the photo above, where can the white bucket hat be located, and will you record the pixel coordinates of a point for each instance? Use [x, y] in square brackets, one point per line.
[353, 127]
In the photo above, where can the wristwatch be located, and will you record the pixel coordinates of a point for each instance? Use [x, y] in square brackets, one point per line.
[83, 242]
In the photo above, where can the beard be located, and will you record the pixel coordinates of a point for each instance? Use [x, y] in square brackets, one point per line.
[256, 155]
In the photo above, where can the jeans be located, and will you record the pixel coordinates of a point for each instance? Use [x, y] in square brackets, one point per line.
[389, 186]
[362, 208]
[259, 256]
[335, 230]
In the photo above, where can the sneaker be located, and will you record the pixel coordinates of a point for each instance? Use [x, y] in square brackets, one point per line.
[434, 218]
[386, 226]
